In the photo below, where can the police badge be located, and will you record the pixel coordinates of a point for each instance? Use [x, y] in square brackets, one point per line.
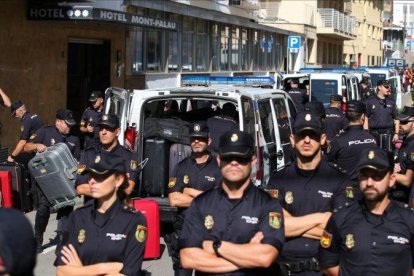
[186, 179]
[289, 197]
[234, 138]
[97, 159]
[81, 236]
[349, 241]
[52, 141]
[208, 222]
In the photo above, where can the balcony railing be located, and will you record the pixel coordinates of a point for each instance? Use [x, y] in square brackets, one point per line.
[339, 22]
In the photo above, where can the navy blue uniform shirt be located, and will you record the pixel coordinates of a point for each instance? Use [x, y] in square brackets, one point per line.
[212, 215]
[365, 244]
[335, 121]
[381, 113]
[345, 149]
[30, 124]
[119, 235]
[406, 160]
[217, 126]
[50, 135]
[299, 97]
[89, 155]
[91, 117]
[305, 192]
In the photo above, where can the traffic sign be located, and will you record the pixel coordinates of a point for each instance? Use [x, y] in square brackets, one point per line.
[294, 42]
[294, 50]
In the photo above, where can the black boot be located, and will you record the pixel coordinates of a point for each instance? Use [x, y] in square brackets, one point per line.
[39, 243]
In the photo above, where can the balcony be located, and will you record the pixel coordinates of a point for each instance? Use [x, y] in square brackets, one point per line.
[336, 24]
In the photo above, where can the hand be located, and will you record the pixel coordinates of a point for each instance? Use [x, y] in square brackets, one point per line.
[395, 137]
[397, 167]
[10, 159]
[40, 148]
[257, 238]
[208, 247]
[70, 256]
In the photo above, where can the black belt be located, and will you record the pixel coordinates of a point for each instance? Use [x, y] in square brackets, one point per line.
[300, 266]
[381, 130]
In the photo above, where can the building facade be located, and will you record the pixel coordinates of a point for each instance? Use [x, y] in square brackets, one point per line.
[366, 49]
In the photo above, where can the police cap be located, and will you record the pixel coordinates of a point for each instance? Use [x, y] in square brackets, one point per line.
[95, 95]
[106, 162]
[66, 115]
[316, 108]
[374, 158]
[364, 81]
[236, 143]
[307, 121]
[384, 83]
[356, 107]
[17, 243]
[14, 106]
[406, 114]
[335, 98]
[199, 129]
[110, 120]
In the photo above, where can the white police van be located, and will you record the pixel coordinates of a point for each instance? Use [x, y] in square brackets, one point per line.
[264, 113]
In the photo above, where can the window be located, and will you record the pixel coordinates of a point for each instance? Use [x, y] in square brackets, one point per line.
[153, 51]
[173, 46]
[202, 48]
[245, 65]
[215, 49]
[138, 53]
[235, 51]
[187, 44]
[256, 50]
[224, 48]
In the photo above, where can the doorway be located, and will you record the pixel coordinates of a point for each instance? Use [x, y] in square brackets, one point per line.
[88, 70]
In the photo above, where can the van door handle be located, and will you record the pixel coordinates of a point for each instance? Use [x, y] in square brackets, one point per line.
[279, 154]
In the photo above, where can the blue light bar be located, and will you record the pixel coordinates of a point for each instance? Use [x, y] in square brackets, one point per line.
[331, 70]
[376, 67]
[242, 81]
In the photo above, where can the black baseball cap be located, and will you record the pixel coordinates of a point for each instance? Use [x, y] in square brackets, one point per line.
[374, 158]
[17, 243]
[14, 106]
[110, 120]
[95, 95]
[356, 107]
[66, 115]
[335, 98]
[385, 83]
[236, 143]
[307, 121]
[199, 129]
[315, 107]
[406, 114]
[105, 162]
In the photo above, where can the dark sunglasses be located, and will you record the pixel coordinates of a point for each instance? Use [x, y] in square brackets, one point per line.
[405, 122]
[387, 86]
[238, 159]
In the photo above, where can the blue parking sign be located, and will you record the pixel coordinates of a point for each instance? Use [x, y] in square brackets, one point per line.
[294, 42]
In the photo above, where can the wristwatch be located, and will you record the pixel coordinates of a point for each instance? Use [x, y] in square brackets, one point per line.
[216, 246]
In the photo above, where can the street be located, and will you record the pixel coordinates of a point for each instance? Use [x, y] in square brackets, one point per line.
[45, 260]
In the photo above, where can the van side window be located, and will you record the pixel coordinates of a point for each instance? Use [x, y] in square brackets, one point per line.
[267, 121]
[248, 115]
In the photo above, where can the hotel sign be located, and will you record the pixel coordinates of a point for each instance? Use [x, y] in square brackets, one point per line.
[86, 13]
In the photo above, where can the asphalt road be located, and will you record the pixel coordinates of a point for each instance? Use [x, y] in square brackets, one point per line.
[44, 267]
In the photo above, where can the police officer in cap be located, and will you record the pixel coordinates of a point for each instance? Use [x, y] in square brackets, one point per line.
[364, 89]
[381, 116]
[308, 190]
[335, 120]
[190, 178]
[90, 118]
[374, 236]
[109, 131]
[45, 137]
[236, 228]
[104, 237]
[345, 149]
[404, 167]
[299, 96]
[30, 124]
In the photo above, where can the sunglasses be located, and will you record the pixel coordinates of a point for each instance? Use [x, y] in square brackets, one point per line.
[386, 86]
[238, 159]
[405, 122]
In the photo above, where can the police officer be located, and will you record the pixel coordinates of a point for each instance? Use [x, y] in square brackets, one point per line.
[90, 118]
[191, 177]
[308, 190]
[345, 149]
[109, 131]
[382, 116]
[104, 237]
[30, 124]
[299, 96]
[374, 236]
[335, 120]
[236, 228]
[364, 89]
[404, 167]
[45, 137]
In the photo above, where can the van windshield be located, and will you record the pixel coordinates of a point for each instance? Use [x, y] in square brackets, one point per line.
[376, 77]
[321, 90]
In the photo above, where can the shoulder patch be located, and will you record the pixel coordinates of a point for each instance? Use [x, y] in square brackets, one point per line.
[81, 168]
[412, 156]
[141, 233]
[32, 136]
[171, 182]
[274, 193]
[326, 239]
